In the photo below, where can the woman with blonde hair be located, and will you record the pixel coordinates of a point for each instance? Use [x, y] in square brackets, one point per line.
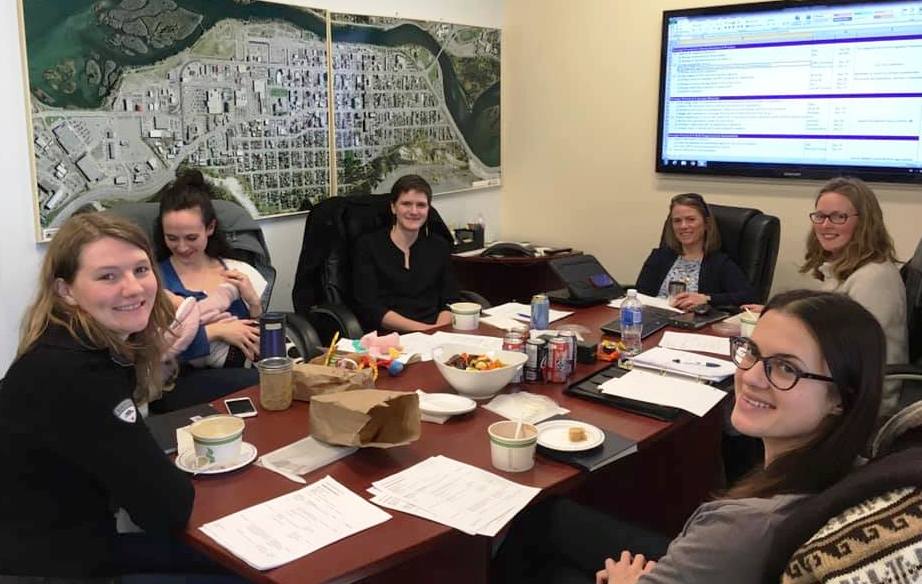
[849, 250]
[72, 441]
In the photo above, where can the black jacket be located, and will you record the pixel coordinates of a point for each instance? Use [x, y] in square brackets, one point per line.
[73, 449]
[720, 277]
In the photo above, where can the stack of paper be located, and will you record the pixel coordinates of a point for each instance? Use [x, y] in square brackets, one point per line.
[648, 301]
[455, 494]
[286, 528]
[482, 342]
[685, 363]
[514, 314]
[691, 396]
[695, 342]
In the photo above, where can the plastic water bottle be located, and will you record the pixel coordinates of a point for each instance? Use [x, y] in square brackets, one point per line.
[631, 324]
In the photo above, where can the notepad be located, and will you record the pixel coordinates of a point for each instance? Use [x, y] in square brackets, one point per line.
[691, 396]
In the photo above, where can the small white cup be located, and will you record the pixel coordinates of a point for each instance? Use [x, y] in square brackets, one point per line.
[509, 453]
[217, 439]
[747, 324]
[465, 316]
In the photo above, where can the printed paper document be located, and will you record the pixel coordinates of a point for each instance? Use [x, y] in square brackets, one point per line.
[695, 342]
[691, 396]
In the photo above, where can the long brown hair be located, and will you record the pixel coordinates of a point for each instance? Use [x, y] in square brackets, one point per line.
[853, 346]
[711, 233]
[870, 242]
[62, 260]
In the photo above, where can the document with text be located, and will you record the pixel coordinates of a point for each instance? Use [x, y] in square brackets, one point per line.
[286, 528]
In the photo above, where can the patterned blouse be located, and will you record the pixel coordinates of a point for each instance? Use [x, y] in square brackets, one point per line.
[682, 270]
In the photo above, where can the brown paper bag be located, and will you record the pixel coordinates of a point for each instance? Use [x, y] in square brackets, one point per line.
[366, 417]
[311, 379]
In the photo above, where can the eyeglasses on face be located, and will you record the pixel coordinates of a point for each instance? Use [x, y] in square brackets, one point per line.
[836, 218]
[780, 371]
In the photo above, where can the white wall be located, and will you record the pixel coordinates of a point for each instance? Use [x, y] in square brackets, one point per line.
[20, 256]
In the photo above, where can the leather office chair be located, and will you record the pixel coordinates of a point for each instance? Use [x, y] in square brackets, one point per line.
[323, 283]
[911, 373]
[751, 239]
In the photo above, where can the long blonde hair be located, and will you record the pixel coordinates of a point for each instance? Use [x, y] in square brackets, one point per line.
[62, 260]
[870, 243]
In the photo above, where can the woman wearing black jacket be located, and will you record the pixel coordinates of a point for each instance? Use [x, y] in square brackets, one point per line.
[73, 444]
[692, 255]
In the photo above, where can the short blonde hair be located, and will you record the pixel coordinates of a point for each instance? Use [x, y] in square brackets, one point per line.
[870, 243]
[62, 260]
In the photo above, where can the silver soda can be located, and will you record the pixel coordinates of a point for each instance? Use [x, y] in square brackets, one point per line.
[570, 336]
[535, 353]
[514, 341]
[540, 312]
[558, 360]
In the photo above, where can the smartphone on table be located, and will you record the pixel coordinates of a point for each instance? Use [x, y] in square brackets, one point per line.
[242, 407]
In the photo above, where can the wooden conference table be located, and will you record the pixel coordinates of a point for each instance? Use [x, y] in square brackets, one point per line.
[677, 467]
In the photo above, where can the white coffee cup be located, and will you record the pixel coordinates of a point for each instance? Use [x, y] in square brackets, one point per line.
[511, 453]
[217, 439]
[748, 323]
[465, 316]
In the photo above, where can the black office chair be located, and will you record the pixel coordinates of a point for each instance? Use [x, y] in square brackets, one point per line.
[323, 283]
[246, 238]
[751, 239]
[910, 373]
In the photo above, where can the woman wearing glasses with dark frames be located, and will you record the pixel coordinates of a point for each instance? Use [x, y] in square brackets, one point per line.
[849, 250]
[691, 254]
[808, 385]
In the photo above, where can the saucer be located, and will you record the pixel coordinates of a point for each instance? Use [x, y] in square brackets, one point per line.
[186, 461]
[556, 435]
[445, 404]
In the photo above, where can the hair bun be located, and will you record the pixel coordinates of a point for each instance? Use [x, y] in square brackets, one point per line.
[190, 177]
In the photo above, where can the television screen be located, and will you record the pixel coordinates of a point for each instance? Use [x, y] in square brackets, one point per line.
[793, 89]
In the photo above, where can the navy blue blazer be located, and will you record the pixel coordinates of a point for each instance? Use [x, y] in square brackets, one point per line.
[720, 277]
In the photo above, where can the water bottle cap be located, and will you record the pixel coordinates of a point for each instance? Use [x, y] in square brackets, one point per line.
[632, 293]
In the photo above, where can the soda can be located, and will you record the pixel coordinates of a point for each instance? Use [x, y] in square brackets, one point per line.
[514, 341]
[558, 360]
[536, 358]
[570, 336]
[272, 335]
[540, 312]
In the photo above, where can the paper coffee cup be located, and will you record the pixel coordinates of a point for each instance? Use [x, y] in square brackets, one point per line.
[747, 324]
[511, 453]
[465, 316]
[217, 439]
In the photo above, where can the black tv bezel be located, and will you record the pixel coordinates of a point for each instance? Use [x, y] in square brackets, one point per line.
[758, 169]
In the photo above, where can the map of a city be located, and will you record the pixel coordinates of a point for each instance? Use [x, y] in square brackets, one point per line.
[125, 92]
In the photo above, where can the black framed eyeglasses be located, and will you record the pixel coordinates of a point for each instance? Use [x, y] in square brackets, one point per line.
[836, 218]
[780, 371]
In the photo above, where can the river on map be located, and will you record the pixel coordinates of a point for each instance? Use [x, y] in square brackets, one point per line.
[52, 39]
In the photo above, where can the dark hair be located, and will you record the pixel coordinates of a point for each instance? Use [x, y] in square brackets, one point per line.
[190, 191]
[854, 347]
[711, 233]
[410, 182]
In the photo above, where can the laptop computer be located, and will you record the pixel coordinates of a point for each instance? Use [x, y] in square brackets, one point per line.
[586, 281]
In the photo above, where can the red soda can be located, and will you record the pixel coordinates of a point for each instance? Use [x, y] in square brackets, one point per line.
[558, 360]
[514, 341]
[571, 339]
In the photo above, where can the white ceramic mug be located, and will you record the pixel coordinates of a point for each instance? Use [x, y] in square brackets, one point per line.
[465, 316]
[511, 453]
[217, 439]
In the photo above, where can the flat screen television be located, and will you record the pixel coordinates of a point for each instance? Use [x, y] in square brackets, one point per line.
[793, 89]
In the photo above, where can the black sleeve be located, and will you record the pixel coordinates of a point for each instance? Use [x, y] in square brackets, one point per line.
[651, 277]
[735, 288]
[121, 455]
[365, 288]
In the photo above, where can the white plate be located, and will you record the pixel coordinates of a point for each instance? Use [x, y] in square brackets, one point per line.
[556, 435]
[186, 461]
[445, 404]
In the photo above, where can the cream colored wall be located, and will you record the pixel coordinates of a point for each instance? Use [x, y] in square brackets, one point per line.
[580, 90]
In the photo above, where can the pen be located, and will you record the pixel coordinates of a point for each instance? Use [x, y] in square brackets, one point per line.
[699, 363]
[523, 315]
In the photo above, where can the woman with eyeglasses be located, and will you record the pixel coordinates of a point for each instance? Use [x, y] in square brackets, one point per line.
[849, 250]
[692, 258]
[808, 385]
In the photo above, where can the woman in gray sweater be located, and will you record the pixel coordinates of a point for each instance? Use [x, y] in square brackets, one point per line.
[808, 385]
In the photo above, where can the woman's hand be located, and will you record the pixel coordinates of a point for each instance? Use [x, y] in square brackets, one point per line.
[687, 300]
[627, 570]
[443, 319]
[243, 334]
[755, 308]
[247, 292]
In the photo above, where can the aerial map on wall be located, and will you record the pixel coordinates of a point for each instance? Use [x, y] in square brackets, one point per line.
[125, 92]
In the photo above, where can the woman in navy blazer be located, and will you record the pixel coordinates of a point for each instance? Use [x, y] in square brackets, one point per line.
[691, 254]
